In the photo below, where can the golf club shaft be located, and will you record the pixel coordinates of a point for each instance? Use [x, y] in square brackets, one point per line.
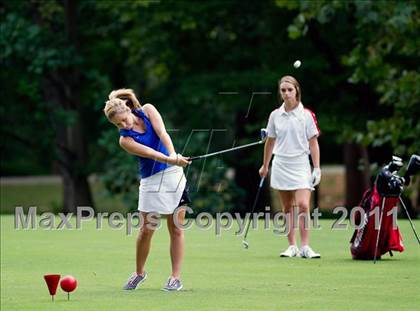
[253, 206]
[226, 150]
[379, 229]
[409, 218]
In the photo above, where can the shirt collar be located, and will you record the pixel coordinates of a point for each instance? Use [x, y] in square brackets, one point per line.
[297, 111]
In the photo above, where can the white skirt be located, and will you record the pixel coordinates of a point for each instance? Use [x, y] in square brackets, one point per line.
[291, 173]
[161, 192]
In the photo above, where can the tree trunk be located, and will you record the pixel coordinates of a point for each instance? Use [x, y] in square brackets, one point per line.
[76, 191]
[76, 187]
[62, 91]
[357, 173]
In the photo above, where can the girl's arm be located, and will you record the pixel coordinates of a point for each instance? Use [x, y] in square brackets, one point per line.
[268, 153]
[132, 147]
[314, 149]
[159, 127]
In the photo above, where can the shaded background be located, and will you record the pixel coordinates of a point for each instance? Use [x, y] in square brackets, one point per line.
[60, 60]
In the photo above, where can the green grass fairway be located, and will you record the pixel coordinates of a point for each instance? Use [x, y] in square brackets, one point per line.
[48, 197]
[218, 273]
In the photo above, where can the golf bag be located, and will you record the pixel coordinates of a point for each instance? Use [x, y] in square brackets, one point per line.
[375, 235]
[363, 241]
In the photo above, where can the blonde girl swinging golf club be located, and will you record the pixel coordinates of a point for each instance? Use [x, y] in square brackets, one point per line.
[163, 184]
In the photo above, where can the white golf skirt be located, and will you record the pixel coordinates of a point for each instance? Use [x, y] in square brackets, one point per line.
[162, 192]
[291, 173]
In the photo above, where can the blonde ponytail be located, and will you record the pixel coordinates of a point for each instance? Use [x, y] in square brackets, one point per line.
[122, 100]
[128, 95]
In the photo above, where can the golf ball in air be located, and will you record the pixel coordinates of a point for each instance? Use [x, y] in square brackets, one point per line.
[297, 64]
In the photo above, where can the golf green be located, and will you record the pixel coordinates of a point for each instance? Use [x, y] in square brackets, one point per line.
[218, 274]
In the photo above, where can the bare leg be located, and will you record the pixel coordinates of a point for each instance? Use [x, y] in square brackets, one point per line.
[143, 244]
[303, 197]
[287, 199]
[177, 242]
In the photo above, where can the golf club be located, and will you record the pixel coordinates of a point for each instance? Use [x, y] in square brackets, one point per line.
[413, 168]
[379, 230]
[409, 218]
[263, 133]
[244, 242]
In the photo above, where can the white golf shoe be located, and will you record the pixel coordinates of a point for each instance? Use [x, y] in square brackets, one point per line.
[291, 251]
[307, 252]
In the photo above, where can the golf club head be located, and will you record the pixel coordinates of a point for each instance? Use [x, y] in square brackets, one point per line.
[387, 182]
[413, 168]
[263, 134]
[396, 164]
[245, 244]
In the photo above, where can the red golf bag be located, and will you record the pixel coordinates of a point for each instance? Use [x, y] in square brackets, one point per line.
[377, 235]
[363, 242]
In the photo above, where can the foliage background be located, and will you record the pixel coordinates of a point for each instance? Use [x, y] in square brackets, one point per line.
[60, 59]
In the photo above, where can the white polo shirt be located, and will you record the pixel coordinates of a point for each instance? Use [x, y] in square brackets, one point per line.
[292, 131]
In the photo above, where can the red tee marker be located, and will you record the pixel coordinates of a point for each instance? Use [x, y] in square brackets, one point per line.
[52, 283]
[68, 284]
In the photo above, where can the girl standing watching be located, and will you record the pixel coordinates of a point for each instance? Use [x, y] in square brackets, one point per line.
[293, 136]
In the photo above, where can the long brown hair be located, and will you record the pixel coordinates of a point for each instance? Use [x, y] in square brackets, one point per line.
[291, 80]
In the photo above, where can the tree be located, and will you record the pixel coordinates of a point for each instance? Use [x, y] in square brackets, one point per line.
[41, 42]
[383, 57]
[182, 57]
